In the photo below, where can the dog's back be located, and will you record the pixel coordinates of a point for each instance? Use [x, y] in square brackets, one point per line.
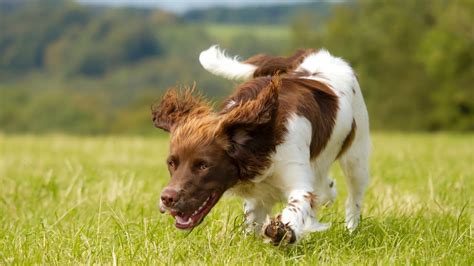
[315, 84]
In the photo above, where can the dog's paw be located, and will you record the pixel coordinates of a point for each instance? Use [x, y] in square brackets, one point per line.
[352, 216]
[278, 233]
[252, 229]
[352, 222]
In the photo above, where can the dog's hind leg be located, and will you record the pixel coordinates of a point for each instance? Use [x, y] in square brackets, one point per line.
[325, 190]
[355, 165]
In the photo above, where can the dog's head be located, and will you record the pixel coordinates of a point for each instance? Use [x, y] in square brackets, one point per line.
[210, 152]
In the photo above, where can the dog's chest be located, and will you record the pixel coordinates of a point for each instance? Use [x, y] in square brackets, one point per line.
[272, 185]
[267, 190]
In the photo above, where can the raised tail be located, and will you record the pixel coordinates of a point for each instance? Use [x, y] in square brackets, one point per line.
[218, 63]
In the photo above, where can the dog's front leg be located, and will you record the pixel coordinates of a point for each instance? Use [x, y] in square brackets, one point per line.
[255, 211]
[297, 219]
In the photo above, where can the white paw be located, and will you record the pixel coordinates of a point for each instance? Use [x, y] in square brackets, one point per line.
[352, 223]
[252, 228]
[352, 216]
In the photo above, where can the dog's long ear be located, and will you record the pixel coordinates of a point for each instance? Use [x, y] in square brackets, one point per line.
[250, 123]
[177, 106]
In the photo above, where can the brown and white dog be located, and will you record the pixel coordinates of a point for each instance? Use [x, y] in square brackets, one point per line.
[274, 140]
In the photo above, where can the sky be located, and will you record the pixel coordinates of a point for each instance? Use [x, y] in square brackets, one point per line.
[180, 6]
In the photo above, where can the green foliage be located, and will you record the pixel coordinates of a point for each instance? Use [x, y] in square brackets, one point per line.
[414, 59]
[247, 40]
[77, 69]
[267, 15]
[92, 200]
[51, 110]
[107, 42]
[447, 54]
[90, 70]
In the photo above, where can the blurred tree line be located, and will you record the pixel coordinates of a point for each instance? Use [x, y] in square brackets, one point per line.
[89, 70]
[414, 59]
[277, 14]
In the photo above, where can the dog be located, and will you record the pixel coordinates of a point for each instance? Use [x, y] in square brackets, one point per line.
[274, 139]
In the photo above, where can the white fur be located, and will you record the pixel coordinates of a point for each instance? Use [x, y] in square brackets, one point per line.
[339, 75]
[218, 63]
[292, 173]
[329, 69]
[289, 178]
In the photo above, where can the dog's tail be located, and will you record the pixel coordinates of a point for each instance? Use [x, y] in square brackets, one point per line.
[218, 63]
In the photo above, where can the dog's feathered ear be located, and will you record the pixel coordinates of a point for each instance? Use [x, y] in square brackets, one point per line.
[176, 106]
[251, 117]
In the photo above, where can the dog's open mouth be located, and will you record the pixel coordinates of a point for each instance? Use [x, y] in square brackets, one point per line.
[190, 220]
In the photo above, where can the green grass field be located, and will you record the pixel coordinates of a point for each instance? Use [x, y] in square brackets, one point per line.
[70, 200]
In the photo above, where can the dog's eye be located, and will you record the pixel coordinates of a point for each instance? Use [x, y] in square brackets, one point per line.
[202, 165]
[171, 164]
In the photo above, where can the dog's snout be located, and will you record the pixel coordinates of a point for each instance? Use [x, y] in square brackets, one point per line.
[169, 197]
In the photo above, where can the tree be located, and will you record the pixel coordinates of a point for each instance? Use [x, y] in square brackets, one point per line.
[409, 57]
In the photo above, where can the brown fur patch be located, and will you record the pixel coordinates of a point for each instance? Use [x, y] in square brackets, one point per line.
[272, 65]
[310, 197]
[319, 104]
[176, 106]
[195, 132]
[251, 125]
[294, 201]
[291, 95]
[348, 140]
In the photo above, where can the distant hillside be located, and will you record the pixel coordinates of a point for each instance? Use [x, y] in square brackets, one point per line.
[277, 14]
[90, 69]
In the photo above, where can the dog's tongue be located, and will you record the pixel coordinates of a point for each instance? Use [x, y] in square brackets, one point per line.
[188, 221]
[183, 220]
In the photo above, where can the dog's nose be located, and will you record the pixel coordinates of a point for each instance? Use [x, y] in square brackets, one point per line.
[169, 197]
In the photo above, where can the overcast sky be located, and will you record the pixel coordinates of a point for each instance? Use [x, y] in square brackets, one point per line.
[180, 6]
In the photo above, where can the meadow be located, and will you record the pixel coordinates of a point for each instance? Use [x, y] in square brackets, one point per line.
[88, 200]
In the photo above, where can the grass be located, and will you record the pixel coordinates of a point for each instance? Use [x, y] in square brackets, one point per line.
[71, 200]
